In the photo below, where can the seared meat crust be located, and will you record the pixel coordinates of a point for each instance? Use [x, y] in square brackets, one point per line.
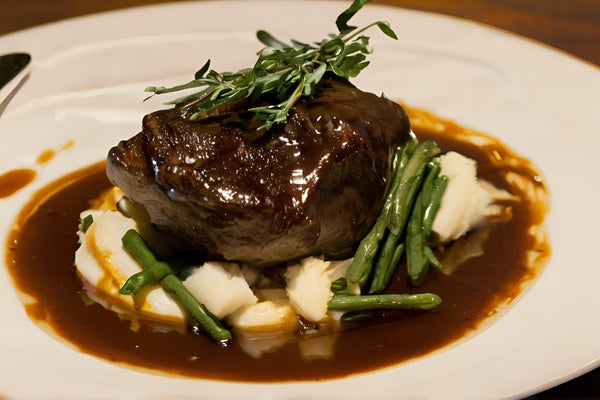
[313, 185]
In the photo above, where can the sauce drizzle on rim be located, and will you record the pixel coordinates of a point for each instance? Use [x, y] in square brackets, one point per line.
[16, 179]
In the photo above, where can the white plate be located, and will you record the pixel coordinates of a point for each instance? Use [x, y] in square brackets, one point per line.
[86, 85]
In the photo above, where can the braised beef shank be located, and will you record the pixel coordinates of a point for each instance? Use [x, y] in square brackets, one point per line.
[313, 185]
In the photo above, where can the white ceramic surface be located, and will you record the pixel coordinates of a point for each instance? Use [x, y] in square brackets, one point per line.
[86, 85]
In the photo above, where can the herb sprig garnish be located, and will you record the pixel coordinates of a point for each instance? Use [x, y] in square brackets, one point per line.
[284, 71]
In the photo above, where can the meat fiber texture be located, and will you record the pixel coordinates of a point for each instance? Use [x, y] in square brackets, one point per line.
[314, 185]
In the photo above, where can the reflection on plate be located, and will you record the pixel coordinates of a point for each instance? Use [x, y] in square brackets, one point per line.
[86, 87]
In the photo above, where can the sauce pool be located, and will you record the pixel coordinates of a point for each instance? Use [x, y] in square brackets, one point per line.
[42, 243]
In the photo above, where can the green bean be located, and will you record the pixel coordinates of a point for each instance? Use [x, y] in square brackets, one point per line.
[417, 262]
[396, 257]
[401, 158]
[427, 203]
[356, 316]
[422, 301]
[409, 166]
[410, 145]
[362, 264]
[433, 205]
[338, 285]
[433, 170]
[411, 202]
[173, 285]
[432, 258]
[404, 194]
[390, 267]
[137, 247]
[385, 265]
[153, 271]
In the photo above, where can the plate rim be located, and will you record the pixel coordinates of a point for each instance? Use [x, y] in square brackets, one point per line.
[47, 28]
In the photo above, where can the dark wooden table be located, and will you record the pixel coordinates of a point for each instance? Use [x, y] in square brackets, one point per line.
[570, 25]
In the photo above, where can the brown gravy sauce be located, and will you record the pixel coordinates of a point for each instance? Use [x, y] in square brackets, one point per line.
[40, 253]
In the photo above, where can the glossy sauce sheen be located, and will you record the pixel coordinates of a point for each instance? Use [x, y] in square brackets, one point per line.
[45, 230]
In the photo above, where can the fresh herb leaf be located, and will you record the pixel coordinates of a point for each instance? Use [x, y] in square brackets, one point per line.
[200, 73]
[268, 40]
[284, 71]
[87, 222]
[387, 29]
[342, 20]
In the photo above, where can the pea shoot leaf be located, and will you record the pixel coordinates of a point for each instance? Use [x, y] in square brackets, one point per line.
[284, 71]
